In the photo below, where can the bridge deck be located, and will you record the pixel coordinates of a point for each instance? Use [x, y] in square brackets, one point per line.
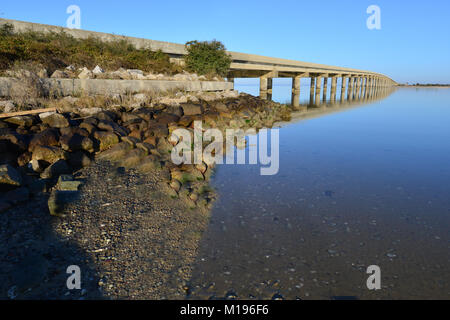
[243, 65]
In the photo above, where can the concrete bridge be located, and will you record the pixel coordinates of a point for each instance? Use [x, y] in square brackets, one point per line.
[354, 82]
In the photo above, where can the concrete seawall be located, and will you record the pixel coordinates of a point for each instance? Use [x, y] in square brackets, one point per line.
[66, 87]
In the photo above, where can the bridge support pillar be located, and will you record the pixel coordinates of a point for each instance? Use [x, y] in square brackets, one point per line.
[372, 87]
[350, 88]
[343, 88]
[296, 82]
[312, 90]
[358, 87]
[318, 89]
[265, 88]
[366, 87]
[325, 89]
[333, 89]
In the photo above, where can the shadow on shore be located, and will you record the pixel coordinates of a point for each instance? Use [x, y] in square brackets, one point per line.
[34, 259]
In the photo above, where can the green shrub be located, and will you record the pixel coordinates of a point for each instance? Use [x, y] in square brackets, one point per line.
[207, 58]
[58, 50]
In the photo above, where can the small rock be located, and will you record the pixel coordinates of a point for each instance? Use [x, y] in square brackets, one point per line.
[56, 169]
[98, 70]
[21, 121]
[59, 75]
[117, 152]
[106, 139]
[67, 183]
[43, 73]
[221, 107]
[8, 106]
[76, 142]
[86, 74]
[231, 295]
[59, 200]
[10, 176]
[277, 296]
[190, 109]
[48, 137]
[48, 153]
[24, 159]
[55, 120]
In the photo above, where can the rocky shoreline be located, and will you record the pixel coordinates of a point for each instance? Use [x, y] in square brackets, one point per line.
[58, 164]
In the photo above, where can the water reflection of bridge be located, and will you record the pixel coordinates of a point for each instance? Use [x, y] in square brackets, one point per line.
[330, 104]
[360, 93]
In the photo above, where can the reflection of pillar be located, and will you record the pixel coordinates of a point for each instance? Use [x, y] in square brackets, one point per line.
[265, 88]
[333, 89]
[296, 91]
[362, 88]
[343, 88]
[372, 87]
[325, 89]
[312, 90]
[350, 88]
[318, 88]
[358, 87]
[366, 87]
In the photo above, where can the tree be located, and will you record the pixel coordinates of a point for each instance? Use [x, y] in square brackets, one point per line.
[207, 58]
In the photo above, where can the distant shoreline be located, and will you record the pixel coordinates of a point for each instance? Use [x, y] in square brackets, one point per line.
[425, 85]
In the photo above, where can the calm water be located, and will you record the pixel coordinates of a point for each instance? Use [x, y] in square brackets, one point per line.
[368, 185]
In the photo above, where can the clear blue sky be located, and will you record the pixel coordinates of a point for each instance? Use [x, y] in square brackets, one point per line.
[413, 43]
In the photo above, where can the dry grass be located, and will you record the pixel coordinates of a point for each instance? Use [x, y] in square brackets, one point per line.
[55, 51]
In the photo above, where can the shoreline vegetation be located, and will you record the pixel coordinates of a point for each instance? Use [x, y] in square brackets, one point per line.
[94, 179]
[60, 55]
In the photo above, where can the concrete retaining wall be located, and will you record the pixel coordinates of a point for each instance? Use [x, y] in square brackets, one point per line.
[66, 87]
[173, 49]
